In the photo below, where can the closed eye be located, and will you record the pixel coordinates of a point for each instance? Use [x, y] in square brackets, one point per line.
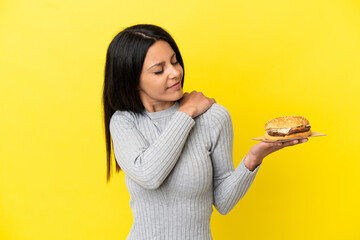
[162, 63]
[159, 72]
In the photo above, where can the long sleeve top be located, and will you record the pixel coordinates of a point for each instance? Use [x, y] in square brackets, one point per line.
[176, 168]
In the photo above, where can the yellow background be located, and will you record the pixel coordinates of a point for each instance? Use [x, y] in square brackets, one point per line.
[259, 59]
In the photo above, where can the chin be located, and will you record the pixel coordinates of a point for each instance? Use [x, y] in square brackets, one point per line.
[178, 95]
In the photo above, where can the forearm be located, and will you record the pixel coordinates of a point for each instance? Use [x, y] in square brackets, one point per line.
[229, 191]
[149, 165]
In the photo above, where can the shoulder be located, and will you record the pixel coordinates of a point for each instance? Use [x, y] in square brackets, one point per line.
[219, 114]
[219, 122]
[123, 118]
[216, 115]
[217, 109]
[121, 115]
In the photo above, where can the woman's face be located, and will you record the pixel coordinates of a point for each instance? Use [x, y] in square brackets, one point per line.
[160, 78]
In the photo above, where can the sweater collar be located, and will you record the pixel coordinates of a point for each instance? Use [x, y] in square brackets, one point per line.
[164, 113]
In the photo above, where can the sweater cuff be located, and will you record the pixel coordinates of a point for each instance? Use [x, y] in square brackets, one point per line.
[244, 169]
[184, 118]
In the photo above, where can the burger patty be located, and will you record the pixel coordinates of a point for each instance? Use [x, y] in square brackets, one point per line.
[292, 131]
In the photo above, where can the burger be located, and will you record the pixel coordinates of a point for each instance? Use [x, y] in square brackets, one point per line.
[287, 127]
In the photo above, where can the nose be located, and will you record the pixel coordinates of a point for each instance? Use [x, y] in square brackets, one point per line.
[174, 71]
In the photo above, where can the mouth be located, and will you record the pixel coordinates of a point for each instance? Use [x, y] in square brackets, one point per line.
[176, 85]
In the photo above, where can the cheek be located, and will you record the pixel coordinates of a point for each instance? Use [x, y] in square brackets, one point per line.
[152, 85]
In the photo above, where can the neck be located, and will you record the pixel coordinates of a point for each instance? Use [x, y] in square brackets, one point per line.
[156, 107]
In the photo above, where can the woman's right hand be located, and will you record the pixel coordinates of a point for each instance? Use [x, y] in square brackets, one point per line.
[195, 103]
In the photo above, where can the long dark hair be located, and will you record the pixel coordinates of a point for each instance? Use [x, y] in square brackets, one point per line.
[124, 61]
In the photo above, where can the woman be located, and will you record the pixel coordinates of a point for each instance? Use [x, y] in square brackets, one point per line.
[175, 148]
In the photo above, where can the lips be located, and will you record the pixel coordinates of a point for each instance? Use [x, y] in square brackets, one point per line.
[175, 85]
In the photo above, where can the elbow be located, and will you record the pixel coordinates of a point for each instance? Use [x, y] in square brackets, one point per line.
[223, 211]
[222, 205]
[151, 186]
[222, 208]
[146, 179]
[149, 183]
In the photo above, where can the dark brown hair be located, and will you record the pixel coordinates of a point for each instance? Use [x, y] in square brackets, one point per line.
[124, 61]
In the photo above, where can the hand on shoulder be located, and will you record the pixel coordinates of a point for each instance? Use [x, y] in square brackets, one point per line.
[195, 103]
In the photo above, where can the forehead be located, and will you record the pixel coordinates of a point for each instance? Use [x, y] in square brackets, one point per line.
[159, 51]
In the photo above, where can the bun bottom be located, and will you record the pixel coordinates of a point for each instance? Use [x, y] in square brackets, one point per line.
[296, 135]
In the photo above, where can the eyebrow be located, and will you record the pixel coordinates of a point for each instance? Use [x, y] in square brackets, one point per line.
[161, 63]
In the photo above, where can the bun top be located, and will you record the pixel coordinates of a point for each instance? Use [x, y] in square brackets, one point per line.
[286, 122]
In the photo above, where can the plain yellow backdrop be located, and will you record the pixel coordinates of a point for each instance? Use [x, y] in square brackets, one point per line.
[260, 59]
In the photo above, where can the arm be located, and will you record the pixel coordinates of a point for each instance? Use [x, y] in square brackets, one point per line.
[149, 164]
[230, 185]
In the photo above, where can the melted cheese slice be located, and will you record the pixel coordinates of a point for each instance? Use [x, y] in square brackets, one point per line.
[280, 130]
[283, 130]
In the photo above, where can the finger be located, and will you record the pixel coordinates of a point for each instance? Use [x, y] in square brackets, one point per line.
[273, 144]
[298, 141]
[290, 143]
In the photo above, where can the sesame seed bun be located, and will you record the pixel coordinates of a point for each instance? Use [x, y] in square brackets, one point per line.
[286, 122]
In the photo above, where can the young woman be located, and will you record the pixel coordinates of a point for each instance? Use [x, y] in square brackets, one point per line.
[175, 148]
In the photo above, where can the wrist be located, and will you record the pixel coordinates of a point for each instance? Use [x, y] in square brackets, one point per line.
[251, 162]
[188, 111]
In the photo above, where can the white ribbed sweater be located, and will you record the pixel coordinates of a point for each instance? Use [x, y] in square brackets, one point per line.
[176, 168]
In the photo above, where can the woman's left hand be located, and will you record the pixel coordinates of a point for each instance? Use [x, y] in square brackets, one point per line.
[259, 151]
